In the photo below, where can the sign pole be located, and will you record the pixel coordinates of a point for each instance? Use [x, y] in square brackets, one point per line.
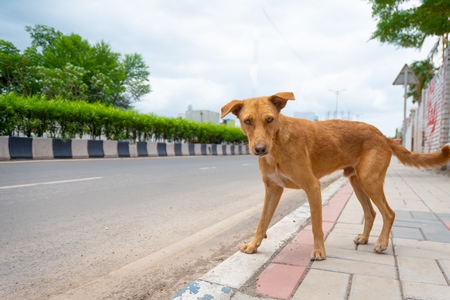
[405, 77]
[404, 107]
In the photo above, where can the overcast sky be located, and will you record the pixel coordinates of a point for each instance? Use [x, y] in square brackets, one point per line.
[206, 53]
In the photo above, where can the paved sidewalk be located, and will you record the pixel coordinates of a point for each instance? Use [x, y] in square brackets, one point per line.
[415, 266]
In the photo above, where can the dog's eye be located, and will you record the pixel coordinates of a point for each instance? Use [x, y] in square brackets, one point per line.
[269, 120]
[248, 122]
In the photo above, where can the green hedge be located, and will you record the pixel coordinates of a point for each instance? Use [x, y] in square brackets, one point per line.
[35, 116]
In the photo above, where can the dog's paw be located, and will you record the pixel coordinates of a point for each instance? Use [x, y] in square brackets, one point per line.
[318, 254]
[380, 247]
[360, 240]
[248, 248]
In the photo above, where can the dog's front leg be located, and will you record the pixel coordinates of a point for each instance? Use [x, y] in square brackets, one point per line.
[315, 204]
[271, 200]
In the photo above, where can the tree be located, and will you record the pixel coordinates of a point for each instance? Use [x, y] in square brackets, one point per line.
[9, 59]
[42, 36]
[424, 71]
[107, 75]
[16, 73]
[408, 27]
[402, 24]
[136, 77]
[68, 66]
[66, 82]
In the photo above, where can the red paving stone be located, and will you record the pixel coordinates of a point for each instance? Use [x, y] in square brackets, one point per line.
[294, 254]
[282, 276]
[330, 215]
[347, 189]
[338, 206]
[279, 281]
[447, 223]
[338, 202]
[305, 237]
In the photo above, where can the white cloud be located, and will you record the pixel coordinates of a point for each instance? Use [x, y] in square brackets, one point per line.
[176, 94]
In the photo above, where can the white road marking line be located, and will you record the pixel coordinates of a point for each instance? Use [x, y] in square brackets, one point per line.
[50, 182]
[207, 168]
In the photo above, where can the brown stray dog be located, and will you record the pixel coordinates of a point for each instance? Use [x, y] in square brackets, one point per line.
[295, 153]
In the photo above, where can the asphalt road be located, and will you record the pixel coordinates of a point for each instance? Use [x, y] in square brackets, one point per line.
[123, 228]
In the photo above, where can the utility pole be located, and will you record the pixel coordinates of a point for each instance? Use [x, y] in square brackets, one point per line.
[337, 100]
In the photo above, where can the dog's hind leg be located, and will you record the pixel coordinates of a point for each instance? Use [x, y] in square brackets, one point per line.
[271, 200]
[371, 177]
[376, 193]
[369, 212]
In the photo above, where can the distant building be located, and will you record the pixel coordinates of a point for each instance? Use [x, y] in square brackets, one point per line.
[229, 122]
[308, 115]
[203, 116]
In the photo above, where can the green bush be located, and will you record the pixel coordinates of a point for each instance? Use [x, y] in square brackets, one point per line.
[35, 116]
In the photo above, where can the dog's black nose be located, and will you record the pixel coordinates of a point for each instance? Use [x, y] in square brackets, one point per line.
[260, 149]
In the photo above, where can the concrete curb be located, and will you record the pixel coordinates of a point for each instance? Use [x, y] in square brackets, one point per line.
[223, 280]
[44, 148]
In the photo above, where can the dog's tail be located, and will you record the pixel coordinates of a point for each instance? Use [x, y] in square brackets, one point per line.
[420, 160]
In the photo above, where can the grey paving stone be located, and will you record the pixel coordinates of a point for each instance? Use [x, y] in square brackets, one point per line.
[436, 233]
[356, 267]
[355, 229]
[352, 215]
[407, 233]
[340, 240]
[421, 253]
[420, 270]
[432, 230]
[415, 290]
[444, 216]
[369, 287]
[423, 215]
[323, 285]
[440, 208]
[363, 256]
[445, 264]
[403, 215]
[425, 245]
[417, 205]
[348, 228]
[417, 223]
[369, 247]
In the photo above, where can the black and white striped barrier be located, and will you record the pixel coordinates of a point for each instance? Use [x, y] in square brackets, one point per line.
[44, 148]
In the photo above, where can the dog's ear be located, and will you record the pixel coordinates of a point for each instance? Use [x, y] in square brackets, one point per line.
[234, 107]
[280, 99]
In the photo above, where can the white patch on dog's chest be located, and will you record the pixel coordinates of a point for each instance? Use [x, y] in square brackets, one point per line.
[279, 179]
[276, 179]
[276, 176]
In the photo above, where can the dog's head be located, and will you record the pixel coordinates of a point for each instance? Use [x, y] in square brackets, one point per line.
[259, 119]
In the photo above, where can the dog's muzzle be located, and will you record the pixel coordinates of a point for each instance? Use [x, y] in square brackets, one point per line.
[260, 150]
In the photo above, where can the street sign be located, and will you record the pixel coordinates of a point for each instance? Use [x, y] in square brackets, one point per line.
[406, 76]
